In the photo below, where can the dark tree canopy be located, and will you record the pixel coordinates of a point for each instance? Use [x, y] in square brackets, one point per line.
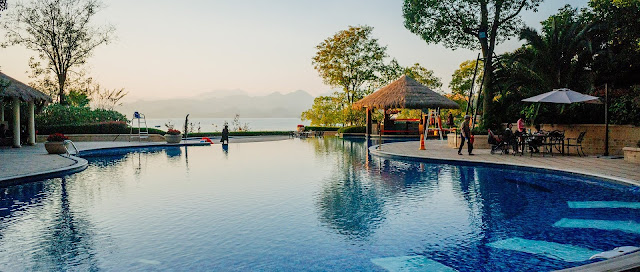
[477, 24]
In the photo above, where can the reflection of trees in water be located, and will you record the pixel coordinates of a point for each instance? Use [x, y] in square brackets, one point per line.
[353, 199]
[351, 206]
[68, 241]
[64, 234]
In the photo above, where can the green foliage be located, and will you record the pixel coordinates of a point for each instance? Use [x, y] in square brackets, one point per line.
[353, 129]
[624, 106]
[616, 39]
[78, 98]
[312, 128]
[468, 24]
[56, 115]
[424, 76]
[462, 77]
[350, 59]
[117, 127]
[325, 111]
[457, 23]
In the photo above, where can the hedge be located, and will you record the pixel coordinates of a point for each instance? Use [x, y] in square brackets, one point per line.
[353, 129]
[96, 128]
[321, 128]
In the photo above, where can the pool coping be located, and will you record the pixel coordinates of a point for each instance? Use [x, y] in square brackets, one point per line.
[617, 180]
[79, 164]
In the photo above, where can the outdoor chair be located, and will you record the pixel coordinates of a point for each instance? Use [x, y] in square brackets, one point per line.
[577, 144]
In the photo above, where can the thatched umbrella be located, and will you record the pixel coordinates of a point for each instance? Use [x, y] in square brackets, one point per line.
[21, 91]
[404, 93]
[16, 91]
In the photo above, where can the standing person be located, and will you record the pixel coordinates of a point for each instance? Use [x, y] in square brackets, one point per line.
[465, 133]
[521, 124]
[225, 134]
[450, 122]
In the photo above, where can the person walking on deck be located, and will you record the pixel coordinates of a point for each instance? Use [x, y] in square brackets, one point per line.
[465, 133]
[225, 135]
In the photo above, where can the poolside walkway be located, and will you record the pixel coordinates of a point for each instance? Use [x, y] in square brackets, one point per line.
[614, 169]
[34, 160]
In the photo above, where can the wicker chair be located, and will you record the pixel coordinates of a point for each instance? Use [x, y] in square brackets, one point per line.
[577, 144]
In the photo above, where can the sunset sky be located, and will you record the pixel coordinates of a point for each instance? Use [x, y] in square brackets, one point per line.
[166, 49]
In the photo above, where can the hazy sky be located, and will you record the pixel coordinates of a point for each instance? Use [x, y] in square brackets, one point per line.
[170, 49]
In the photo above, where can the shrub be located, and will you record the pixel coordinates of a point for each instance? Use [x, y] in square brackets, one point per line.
[353, 129]
[112, 127]
[57, 137]
[57, 115]
[173, 132]
[321, 128]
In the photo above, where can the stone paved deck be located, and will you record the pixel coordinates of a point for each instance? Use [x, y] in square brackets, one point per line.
[615, 169]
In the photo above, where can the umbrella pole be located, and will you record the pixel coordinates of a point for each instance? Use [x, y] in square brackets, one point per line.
[606, 120]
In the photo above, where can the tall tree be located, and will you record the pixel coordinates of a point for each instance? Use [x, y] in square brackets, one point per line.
[59, 31]
[477, 24]
[351, 59]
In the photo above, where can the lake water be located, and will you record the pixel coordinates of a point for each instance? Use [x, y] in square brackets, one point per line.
[216, 124]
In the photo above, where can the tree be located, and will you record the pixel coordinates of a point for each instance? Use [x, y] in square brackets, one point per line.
[60, 32]
[325, 111]
[351, 59]
[468, 24]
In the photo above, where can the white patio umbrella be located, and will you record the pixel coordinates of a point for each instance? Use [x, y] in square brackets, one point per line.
[563, 96]
[567, 96]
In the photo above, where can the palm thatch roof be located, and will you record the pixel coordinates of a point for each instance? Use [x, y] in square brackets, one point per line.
[405, 93]
[20, 90]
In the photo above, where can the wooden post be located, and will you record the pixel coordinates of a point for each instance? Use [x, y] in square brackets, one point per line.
[369, 125]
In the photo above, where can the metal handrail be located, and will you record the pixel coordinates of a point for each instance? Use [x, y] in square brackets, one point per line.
[66, 142]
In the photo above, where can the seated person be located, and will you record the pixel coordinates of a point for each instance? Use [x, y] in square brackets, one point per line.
[536, 142]
[510, 138]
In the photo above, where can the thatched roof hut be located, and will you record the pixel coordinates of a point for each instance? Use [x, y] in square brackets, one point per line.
[21, 91]
[405, 93]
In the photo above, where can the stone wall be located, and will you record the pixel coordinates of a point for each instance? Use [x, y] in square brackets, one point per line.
[105, 138]
[620, 136]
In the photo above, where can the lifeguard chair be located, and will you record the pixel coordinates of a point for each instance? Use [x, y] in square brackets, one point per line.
[142, 134]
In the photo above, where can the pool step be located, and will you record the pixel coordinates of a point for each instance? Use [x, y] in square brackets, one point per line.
[626, 226]
[602, 205]
[411, 263]
[568, 253]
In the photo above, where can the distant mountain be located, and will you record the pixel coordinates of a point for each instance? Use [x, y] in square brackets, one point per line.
[224, 103]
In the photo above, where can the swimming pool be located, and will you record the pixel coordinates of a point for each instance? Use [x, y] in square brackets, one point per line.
[314, 204]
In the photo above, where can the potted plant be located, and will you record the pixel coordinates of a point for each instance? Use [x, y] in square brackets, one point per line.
[55, 143]
[173, 136]
[632, 154]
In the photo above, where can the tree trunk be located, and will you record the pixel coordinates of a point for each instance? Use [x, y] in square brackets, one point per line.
[62, 99]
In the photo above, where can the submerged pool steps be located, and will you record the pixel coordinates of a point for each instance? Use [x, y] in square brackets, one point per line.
[411, 263]
[603, 205]
[626, 226]
[568, 253]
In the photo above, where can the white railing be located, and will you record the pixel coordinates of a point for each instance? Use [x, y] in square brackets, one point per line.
[66, 142]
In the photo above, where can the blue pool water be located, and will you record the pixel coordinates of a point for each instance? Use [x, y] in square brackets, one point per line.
[314, 205]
